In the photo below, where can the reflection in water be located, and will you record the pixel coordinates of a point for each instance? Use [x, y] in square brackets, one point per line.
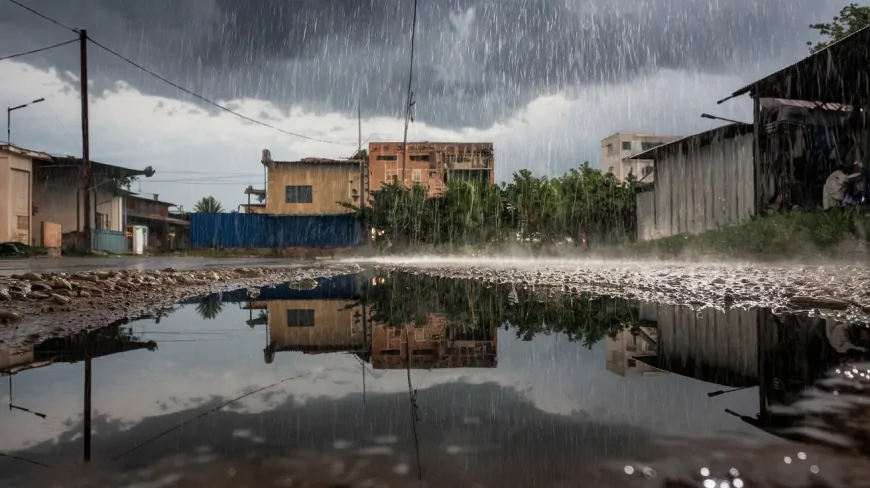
[502, 385]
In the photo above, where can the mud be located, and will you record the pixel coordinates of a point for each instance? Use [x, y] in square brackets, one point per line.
[840, 292]
[36, 306]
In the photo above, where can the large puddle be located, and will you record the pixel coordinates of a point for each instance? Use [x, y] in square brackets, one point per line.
[384, 377]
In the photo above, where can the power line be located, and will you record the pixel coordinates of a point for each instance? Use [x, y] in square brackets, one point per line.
[25, 7]
[176, 85]
[39, 50]
[206, 100]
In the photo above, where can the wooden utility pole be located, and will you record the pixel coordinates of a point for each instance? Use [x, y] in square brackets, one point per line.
[362, 162]
[86, 149]
[409, 102]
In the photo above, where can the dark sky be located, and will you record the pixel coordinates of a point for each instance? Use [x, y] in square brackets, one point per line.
[477, 62]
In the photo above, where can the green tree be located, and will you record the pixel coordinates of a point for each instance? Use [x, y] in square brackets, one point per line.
[208, 204]
[209, 309]
[851, 19]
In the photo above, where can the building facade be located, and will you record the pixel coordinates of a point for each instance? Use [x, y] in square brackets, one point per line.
[618, 148]
[430, 164]
[311, 186]
[166, 232]
[704, 182]
[16, 193]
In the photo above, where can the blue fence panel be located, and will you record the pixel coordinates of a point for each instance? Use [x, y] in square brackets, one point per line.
[238, 230]
[110, 241]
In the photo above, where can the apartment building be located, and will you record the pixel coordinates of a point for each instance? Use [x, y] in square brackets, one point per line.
[618, 148]
[431, 164]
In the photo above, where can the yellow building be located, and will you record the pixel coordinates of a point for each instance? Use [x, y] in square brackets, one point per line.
[311, 185]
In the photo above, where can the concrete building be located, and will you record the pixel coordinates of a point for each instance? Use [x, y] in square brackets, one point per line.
[37, 188]
[16, 193]
[703, 182]
[311, 186]
[618, 148]
[431, 164]
[165, 231]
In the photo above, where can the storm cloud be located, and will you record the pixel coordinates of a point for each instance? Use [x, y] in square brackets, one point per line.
[477, 62]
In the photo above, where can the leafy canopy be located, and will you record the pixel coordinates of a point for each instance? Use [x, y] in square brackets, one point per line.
[851, 19]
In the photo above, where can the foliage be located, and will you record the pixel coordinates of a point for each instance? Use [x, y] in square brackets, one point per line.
[851, 19]
[208, 204]
[209, 309]
[781, 236]
[529, 208]
[474, 304]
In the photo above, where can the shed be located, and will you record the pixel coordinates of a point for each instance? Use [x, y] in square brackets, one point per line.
[703, 182]
[829, 79]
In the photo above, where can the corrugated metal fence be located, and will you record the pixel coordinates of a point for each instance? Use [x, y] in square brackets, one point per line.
[261, 231]
[111, 241]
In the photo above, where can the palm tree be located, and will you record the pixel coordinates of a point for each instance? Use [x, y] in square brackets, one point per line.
[209, 309]
[208, 204]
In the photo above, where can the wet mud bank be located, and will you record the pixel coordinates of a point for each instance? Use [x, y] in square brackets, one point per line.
[37, 306]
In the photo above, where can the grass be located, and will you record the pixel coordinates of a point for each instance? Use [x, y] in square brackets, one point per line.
[829, 234]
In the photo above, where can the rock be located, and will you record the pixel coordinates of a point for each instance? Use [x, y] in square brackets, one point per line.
[41, 286]
[31, 276]
[60, 299]
[60, 283]
[102, 275]
[39, 295]
[84, 294]
[7, 316]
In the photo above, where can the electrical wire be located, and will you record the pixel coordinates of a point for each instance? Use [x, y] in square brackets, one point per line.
[210, 102]
[176, 85]
[39, 50]
[55, 22]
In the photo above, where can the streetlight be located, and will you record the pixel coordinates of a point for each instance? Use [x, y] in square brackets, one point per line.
[9, 117]
[715, 117]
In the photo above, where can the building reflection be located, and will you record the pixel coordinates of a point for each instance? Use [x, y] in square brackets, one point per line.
[82, 347]
[334, 317]
[783, 356]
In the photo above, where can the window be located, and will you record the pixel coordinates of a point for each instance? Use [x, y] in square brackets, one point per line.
[626, 145]
[646, 146]
[610, 149]
[300, 318]
[387, 158]
[647, 170]
[424, 157]
[298, 194]
[416, 175]
[102, 222]
[610, 170]
[23, 221]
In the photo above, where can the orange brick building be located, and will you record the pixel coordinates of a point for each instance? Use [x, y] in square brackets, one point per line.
[431, 164]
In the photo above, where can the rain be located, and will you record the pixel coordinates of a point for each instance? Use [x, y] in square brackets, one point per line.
[459, 243]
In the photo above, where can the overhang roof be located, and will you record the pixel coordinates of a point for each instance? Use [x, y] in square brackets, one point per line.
[835, 74]
[30, 153]
[98, 168]
[321, 162]
[699, 139]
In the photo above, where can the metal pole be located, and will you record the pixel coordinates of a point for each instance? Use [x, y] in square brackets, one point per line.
[86, 148]
[8, 125]
[87, 408]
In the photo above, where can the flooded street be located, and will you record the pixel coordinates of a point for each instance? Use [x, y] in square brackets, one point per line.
[400, 378]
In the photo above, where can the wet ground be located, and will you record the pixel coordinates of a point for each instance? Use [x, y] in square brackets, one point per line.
[401, 379]
[74, 264]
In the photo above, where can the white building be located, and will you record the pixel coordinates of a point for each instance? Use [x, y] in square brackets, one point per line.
[618, 148]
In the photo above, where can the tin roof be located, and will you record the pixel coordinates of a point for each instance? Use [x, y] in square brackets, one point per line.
[700, 139]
